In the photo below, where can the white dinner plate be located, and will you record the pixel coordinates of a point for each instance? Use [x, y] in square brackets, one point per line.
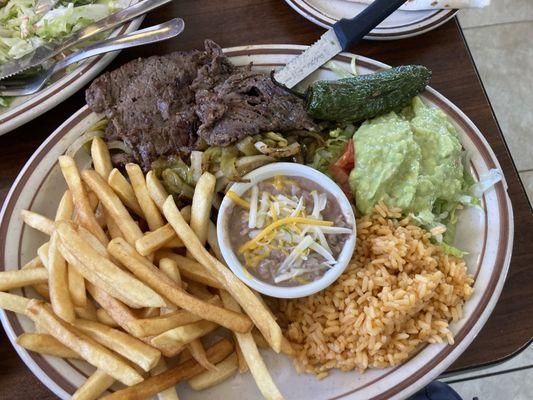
[487, 236]
[25, 108]
[399, 25]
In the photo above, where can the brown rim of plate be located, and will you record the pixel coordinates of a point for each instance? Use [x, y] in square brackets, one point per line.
[503, 244]
[29, 104]
[325, 20]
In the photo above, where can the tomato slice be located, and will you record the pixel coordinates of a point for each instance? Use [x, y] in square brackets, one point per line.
[347, 160]
[340, 169]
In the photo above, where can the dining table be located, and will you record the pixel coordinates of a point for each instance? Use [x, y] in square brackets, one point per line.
[241, 22]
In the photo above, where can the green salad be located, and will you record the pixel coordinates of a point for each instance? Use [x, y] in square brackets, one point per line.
[22, 29]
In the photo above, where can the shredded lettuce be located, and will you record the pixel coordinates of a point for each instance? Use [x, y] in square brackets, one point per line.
[341, 72]
[486, 181]
[445, 212]
[325, 155]
[453, 251]
[22, 29]
[5, 101]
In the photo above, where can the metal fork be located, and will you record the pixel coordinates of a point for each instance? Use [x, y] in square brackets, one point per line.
[21, 87]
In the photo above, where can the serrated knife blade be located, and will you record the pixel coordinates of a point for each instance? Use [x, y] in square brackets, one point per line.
[323, 50]
[343, 33]
[37, 57]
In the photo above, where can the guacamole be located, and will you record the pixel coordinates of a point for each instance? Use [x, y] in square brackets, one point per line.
[410, 160]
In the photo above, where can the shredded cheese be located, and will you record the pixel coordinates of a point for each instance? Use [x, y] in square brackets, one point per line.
[273, 212]
[280, 222]
[238, 200]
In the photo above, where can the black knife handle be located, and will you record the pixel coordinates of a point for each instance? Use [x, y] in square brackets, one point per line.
[352, 30]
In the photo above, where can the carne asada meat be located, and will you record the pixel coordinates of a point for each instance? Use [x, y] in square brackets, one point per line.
[247, 103]
[162, 105]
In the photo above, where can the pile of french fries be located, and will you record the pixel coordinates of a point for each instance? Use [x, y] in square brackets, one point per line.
[129, 283]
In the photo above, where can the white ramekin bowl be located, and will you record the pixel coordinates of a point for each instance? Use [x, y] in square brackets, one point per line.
[264, 173]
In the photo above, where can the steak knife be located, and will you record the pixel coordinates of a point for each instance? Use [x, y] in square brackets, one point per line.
[342, 34]
[42, 53]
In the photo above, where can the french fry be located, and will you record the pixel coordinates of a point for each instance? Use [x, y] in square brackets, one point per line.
[90, 262]
[164, 237]
[147, 312]
[186, 214]
[169, 350]
[118, 311]
[149, 208]
[112, 227]
[192, 270]
[120, 342]
[76, 284]
[259, 339]
[201, 206]
[38, 221]
[19, 278]
[286, 347]
[174, 243]
[212, 240]
[157, 280]
[198, 353]
[184, 356]
[41, 288]
[101, 157]
[253, 358]
[156, 325]
[93, 201]
[58, 282]
[35, 262]
[159, 194]
[99, 215]
[169, 378]
[88, 312]
[87, 348]
[157, 239]
[184, 334]
[76, 287]
[243, 366]
[89, 274]
[156, 189]
[84, 211]
[103, 317]
[167, 394]
[92, 241]
[113, 205]
[12, 302]
[261, 316]
[224, 370]
[200, 218]
[94, 386]
[42, 252]
[124, 191]
[65, 209]
[46, 344]
[198, 290]
[170, 268]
